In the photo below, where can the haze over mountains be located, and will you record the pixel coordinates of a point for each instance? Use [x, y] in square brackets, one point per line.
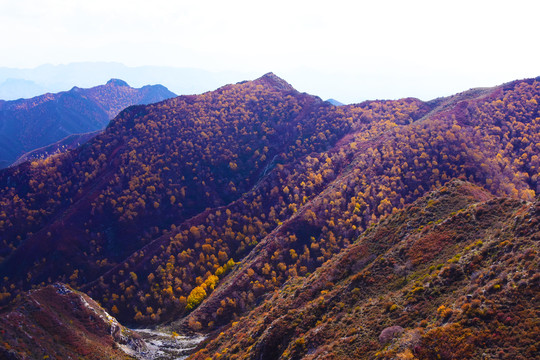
[345, 86]
[29, 124]
[296, 228]
[26, 83]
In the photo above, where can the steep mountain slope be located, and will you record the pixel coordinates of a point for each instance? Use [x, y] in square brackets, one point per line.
[375, 175]
[148, 172]
[204, 204]
[56, 322]
[453, 276]
[28, 124]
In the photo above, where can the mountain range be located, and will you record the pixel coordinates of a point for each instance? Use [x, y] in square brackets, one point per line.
[26, 83]
[29, 124]
[287, 227]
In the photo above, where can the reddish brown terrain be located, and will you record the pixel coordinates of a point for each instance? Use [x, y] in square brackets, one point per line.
[447, 277]
[57, 322]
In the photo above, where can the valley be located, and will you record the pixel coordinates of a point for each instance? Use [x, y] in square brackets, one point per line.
[275, 225]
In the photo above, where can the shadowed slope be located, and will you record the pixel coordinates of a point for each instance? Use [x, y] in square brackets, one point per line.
[29, 124]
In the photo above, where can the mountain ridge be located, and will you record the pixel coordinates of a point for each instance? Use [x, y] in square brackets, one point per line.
[59, 322]
[373, 279]
[196, 210]
[56, 116]
[27, 83]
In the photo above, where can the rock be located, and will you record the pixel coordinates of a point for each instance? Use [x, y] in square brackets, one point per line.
[390, 333]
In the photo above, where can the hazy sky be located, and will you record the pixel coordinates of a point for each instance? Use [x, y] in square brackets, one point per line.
[386, 49]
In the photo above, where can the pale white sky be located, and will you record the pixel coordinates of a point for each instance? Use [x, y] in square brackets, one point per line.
[395, 48]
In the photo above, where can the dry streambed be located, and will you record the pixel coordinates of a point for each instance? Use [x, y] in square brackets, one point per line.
[166, 346]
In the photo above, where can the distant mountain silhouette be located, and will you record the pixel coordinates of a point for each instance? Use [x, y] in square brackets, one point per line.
[26, 83]
[29, 124]
[335, 102]
[12, 89]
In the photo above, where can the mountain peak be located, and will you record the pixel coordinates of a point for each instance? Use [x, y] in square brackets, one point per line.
[335, 102]
[117, 82]
[275, 81]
